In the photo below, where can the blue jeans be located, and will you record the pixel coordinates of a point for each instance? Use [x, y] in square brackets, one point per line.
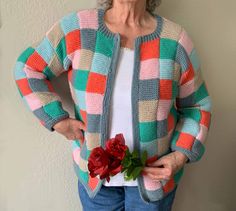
[119, 198]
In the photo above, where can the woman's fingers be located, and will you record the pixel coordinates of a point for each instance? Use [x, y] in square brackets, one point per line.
[71, 129]
[156, 170]
[78, 124]
[82, 125]
[157, 173]
[156, 177]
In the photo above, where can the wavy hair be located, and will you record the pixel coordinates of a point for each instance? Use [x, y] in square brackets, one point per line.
[151, 5]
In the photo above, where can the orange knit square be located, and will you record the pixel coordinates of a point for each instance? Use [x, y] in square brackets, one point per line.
[169, 186]
[92, 182]
[23, 86]
[185, 141]
[165, 89]
[188, 75]
[171, 122]
[205, 118]
[73, 41]
[96, 83]
[35, 61]
[147, 51]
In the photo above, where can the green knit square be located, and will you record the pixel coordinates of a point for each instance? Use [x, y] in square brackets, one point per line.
[192, 113]
[174, 89]
[148, 131]
[201, 93]
[173, 111]
[80, 78]
[54, 109]
[61, 50]
[83, 175]
[104, 45]
[175, 137]
[25, 55]
[49, 74]
[178, 175]
[167, 48]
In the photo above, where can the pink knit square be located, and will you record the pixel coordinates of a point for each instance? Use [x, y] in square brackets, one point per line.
[33, 101]
[163, 109]
[32, 73]
[88, 19]
[94, 103]
[149, 69]
[150, 184]
[202, 133]
[186, 89]
[76, 155]
[75, 58]
[186, 42]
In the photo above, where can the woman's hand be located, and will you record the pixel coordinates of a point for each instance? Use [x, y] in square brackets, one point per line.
[70, 128]
[166, 166]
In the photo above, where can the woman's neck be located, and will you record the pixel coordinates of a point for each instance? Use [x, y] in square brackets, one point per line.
[132, 13]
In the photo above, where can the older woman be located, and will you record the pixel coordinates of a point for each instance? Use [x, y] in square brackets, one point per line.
[130, 71]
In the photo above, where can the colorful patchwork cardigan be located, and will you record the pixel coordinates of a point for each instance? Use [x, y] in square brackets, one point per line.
[171, 107]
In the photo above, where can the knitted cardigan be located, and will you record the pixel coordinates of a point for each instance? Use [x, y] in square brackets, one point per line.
[171, 106]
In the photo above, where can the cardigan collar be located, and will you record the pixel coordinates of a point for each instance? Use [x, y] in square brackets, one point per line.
[151, 36]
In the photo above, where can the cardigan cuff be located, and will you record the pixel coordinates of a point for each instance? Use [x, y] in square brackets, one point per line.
[49, 124]
[195, 154]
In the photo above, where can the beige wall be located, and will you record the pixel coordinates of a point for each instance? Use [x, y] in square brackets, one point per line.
[35, 165]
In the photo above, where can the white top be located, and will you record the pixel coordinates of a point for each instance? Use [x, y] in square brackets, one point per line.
[121, 113]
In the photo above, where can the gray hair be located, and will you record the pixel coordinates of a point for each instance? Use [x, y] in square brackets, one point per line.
[151, 5]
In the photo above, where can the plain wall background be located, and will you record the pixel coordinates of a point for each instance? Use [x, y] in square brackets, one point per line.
[36, 170]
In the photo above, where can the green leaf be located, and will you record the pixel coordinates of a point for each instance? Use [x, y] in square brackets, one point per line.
[135, 154]
[129, 171]
[123, 169]
[144, 157]
[136, 172]
[127, 152]
[127, 178]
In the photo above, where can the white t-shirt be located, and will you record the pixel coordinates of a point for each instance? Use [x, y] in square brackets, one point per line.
[121, 113]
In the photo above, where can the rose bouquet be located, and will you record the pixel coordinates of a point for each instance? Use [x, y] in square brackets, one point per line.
[116, 158]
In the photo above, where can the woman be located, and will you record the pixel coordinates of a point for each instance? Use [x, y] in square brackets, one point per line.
[130, 71]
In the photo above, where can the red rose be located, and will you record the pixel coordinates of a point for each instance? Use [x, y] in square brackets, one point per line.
[114, 159]
[114, 165]
[98, 163]
[116, 146]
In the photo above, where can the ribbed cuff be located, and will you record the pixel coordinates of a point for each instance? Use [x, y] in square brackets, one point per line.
[49, 124]
[195, 154]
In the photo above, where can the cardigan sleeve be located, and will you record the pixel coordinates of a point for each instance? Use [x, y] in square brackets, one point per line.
[193, 103]
[43, 61]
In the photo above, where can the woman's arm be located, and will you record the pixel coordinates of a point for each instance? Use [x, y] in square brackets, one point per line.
[38, 64]
[193, 103]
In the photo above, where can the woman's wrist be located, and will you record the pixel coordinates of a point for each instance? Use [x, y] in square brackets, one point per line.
[181, 156]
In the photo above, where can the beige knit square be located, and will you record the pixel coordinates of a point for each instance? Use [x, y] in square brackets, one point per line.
[83, 164]
[163, 144]
[170, 29]
[55, 66]
[85, 60]
[46, 97]
[92, 140]
[176, 73]
[55, 34]
[147, 110]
